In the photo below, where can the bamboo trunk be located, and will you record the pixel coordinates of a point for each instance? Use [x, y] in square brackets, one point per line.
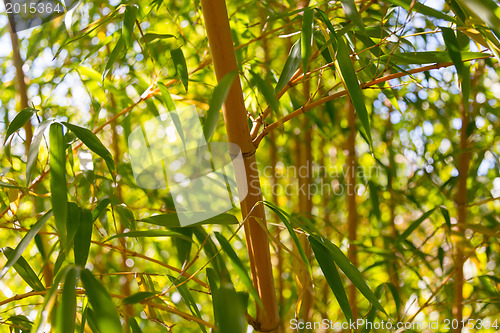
[352, 220]
[22, 89]
[238, 132]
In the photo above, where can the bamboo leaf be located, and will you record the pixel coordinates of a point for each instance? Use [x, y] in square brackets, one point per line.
[291, 65]
[187, 298]
[180, 66]
[351, 272]
[48, 302]
[150, 233]
[128, 25]
[211, 252]
[93, 143]
[73, 221]
[332, 276]
[23, 244]
[218, 97]
[284, 217]
[169, 104]
[107, 319]
[171, 220]
[138, 297]
[135, 326]
[34, 149]
[266, 90]
[67, 310]
[430, 57]
[24, 270]
[352, 13]
[99, 210]
[446, 216]
[229, 319]
[19, 121]
[414, 225]
[238, 266]
[422, 9]
[453, 49]
[115, 53]
[307, 37]
[83, 238]
[152, 36]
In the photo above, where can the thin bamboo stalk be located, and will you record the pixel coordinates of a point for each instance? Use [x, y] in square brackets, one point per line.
[238, 132]
[352, 219]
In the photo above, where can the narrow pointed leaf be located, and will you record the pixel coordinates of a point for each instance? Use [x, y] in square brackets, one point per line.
[34, 149]
[152, 36]
[58, 186]
[138, 297]
[67, 310]
[19, 121]
[187, 298]
[24, 270]
[351, 272]
[128, 25]
[23, 244]
[107, 319]
[332, 276]
[414, 225]
[180, 66]
[93, 143]
[291, 65]
[83, 238]
[171, 219]
[307, 37]
[218, 97]
[150, 233]
[266, 90]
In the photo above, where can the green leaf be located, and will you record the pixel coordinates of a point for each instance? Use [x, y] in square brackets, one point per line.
[446, 216]
[48, 302]
[117, 50]
[9, 185]
[99, 210]
[171, 220]
[267, 91]
[93, 143]
[169, 104]
[187, 298]
[83, 238]
[182, 246]
[24, 270]
[486, 10]
[351, 272]
[451, 41]
[352, 13]
[134, 326]
[58, 186]
[422, 9]
[218, 97]
[23, 244]
[67, 310]
[152, 36]
[128, 25]
[138, 297]
[150, 233]
[19, 121]
[180, 66]
[351, 81]
[238, 266]
[73, 221]
[229, 309]
[20, 322]
[107, 319]
[291, 65]
[307, 37]
[284, 217]
[414, 225]
[430, 57]
[211, 252]
[34, 149]
[332, 276]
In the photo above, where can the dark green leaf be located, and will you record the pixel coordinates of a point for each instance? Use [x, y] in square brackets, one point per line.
[117, 51]
[218, 97]
[422, 9]
[351, 272]
[83, 238]
[352, 13]
[58, 186]
[238, 266]
[107, 319]
[138, 297]
[332, 276]
[23, 244]
[134, 326]
[430, 57]
[19, 121]
[99, 210]
[171, 220]
[152, 36]
[187, 298]
[267, 91]
[307, 37]
[24, 270]
[229, 319]
[67, 310]
[414, 225]
[169, 104]
[291, 65]
[180, 66]
[453, 49]
[150, 233]
[128, 25]
[93, 143]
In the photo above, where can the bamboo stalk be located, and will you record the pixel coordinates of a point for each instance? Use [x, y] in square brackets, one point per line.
[238, 132]
[352, 220]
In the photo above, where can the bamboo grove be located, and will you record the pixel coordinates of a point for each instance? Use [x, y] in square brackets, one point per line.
[368, 132]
